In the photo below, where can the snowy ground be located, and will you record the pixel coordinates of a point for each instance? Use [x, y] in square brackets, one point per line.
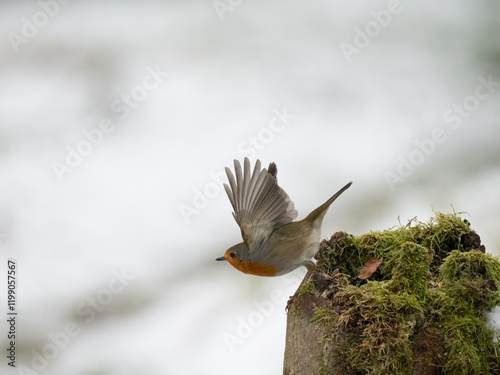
[117, 119]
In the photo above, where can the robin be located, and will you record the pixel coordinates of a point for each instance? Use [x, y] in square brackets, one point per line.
[273, 244]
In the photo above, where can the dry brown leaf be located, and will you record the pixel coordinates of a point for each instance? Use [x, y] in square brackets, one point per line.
[369, 268]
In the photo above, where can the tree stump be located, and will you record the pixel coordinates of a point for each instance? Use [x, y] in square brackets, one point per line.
[419, 311]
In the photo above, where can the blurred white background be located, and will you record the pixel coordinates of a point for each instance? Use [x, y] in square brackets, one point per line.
[170, 93]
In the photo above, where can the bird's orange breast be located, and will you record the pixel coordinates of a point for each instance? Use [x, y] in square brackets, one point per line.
[256, 268]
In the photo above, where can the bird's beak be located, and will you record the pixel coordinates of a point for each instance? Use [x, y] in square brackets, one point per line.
[221, 258]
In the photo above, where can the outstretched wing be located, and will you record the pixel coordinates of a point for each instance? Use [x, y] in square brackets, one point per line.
[259, 204]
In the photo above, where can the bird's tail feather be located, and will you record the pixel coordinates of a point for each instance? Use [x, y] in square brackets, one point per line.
[321, 209]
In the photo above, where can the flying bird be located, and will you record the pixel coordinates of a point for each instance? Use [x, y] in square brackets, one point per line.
[273, 244]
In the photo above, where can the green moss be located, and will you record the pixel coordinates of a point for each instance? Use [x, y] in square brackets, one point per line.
[470, 285]
[434, 283]
[408, 267]
[307, 287]
[321, 314]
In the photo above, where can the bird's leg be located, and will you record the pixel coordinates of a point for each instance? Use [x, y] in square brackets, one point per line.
[311, 266]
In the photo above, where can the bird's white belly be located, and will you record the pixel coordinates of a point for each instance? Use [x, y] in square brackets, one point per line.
[312, 244]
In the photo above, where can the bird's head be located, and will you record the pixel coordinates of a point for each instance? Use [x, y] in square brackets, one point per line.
[239, 257]
[236, 254]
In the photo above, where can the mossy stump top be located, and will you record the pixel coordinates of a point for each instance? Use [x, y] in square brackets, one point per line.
[421, 312]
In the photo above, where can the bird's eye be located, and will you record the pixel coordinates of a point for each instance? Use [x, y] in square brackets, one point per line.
[232, 255]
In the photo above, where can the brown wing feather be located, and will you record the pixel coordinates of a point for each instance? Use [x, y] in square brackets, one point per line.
[260, 205]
